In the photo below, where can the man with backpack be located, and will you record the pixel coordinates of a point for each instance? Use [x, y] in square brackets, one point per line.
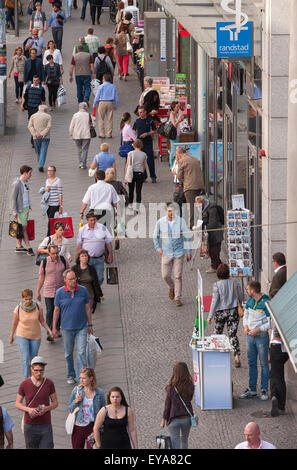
[103, 64]
[213, 218]
[51, 279]
[189, 174]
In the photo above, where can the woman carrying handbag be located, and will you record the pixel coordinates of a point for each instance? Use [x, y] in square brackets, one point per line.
[178, 412]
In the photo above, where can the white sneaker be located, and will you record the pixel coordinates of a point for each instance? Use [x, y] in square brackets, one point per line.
[210, 271]
[264, 395]
[71, 381]
[248, 393]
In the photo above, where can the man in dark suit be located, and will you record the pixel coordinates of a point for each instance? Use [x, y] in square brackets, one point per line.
[280, 276]
[278, 355]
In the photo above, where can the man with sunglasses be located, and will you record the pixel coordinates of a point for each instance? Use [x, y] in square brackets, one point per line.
[40, 399]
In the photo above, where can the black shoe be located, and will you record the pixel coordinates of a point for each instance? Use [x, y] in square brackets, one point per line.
[41, 170]
[98, 21]
[22, 249]
[94, 306]
[82, 18]
[154, 180]
[30, 252]
[274, 407]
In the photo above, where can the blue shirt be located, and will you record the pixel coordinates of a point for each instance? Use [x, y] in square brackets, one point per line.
[52, 21]
[174, 235]
[104, 160]
[72, 307]
[106, 92]
[8, 424]
[38, 43]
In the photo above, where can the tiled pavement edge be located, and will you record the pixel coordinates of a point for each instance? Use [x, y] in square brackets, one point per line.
[142, 332]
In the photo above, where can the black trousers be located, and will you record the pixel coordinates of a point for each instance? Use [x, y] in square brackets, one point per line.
[214, 254]
[277, 374]
[93, 13]
[50, 306]
[52, 92]
[57, 33]
[50, 213]
[137, 181]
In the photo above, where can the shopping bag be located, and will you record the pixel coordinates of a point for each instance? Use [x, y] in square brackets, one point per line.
[67, 221]
[94, 350]
[95, 83]
[61, 95]
[204, 251]
[112, 276]
[31, 229]
[163, 441]
[70, 421]
[13, 229]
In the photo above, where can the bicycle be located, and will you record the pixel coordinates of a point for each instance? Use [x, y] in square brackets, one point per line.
[112, 11]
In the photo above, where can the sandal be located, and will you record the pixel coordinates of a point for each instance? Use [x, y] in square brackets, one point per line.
[237, 363]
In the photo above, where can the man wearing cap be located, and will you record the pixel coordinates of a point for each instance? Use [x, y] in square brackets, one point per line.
[40, 398]
[72, 303]
[94, 237]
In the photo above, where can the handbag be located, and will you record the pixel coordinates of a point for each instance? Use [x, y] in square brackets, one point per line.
[14, 229]
[240, 310]
[129, 171]
[128, 44]
[23, 418]
[112, 276]
[194, 418]
[92, 128]
[179, 195]
[163, 441]
[70, 420]
[168, 130]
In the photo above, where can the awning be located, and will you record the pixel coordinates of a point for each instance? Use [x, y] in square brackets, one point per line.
[199, 18]
[283, 310]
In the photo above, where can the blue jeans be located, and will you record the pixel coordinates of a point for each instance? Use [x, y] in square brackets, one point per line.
[68, 7]
[69, 337]
[83, 84]
[258, 345]
[41, 146]
[98, 264]
[179, 429]
[28, 348]
[83, 11]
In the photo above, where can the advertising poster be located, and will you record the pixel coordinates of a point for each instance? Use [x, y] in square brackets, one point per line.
[192, 148]
[183, 102]
[239, 243]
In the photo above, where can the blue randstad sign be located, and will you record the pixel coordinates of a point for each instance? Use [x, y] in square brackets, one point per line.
[231, 44]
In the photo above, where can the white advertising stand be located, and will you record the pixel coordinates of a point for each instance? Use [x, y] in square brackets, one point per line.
[211, 364]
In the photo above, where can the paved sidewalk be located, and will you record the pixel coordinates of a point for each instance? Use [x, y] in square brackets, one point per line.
[142, 332]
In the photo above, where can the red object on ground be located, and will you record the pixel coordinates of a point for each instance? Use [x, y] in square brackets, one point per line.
[31, 229]
[207, 302]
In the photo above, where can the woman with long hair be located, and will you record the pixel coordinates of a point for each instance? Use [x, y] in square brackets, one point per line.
[128, 134]
[125, 28]
[17, 67]
[175, 117]
[89, 399]
[176, 415]
[118, 421]
[27, 318]
[56, 53]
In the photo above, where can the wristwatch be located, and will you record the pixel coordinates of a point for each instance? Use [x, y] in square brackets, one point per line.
[90, 325]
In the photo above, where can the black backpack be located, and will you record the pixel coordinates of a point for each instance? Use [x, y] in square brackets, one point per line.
[26, 53]
[45, 261]
[220, 211]
[102, 68]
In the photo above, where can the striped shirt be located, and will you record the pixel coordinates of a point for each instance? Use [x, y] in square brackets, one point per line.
[55, 192]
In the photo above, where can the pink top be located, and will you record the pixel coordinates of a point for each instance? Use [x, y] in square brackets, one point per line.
[53, 276]
[128, 134]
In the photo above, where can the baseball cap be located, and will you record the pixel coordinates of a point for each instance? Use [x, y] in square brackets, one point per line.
[38, 360]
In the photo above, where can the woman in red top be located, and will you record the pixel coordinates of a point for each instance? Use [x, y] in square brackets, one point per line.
[176, 415]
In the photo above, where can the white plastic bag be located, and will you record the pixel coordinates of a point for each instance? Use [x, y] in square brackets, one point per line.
[94, 350]
[61, 95]
[60, 216]
[95, 83]
[70, 420]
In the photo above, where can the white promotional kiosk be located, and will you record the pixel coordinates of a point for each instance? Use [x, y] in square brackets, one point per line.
[211, 363]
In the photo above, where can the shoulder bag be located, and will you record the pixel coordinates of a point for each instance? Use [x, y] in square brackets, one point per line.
[70, 420]
[194, 418]
[40, 388]
[92, 128]
[41, 257]
[168, 130]
[163, 441]
[239, 306]
[129, 171]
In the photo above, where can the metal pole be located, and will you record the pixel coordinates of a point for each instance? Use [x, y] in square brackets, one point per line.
[16, 19]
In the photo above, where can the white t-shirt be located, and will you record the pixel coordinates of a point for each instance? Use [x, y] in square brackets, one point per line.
[56, 55]
[25, 195]
[101, 195]
[263, 445]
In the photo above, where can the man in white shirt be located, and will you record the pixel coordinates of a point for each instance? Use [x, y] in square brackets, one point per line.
[101, 197]
[252, 439]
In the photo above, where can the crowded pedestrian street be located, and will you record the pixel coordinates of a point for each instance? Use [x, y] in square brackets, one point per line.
[143, 332]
